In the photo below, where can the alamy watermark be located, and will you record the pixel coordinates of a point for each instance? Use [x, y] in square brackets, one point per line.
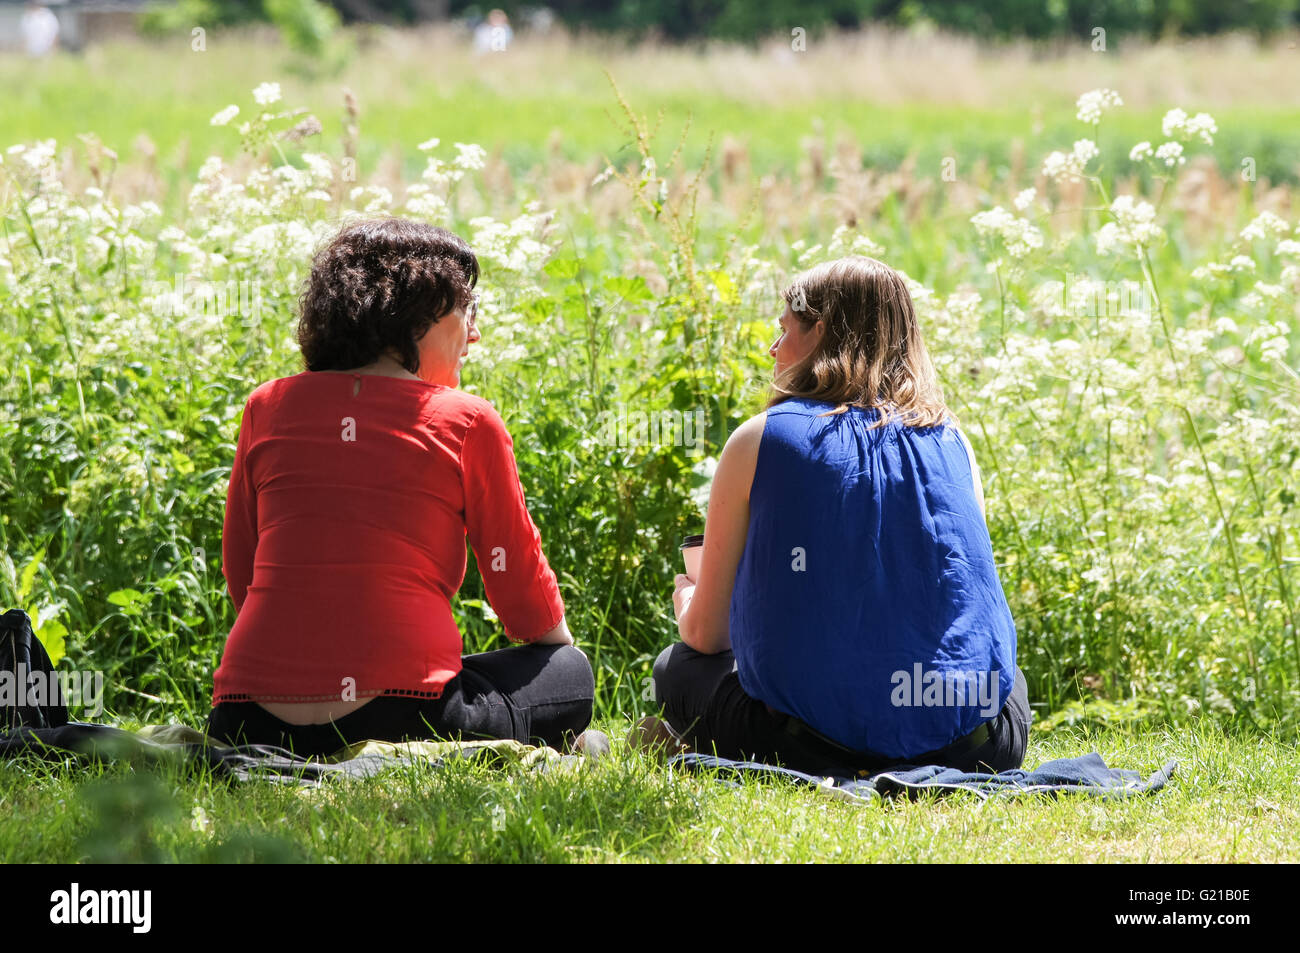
[214, 299]
[1086, 297]
[22, 688]
[952, 689]
[641, 428]
[76, 906]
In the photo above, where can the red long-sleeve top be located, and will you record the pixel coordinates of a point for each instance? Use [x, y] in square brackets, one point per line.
[350, 500]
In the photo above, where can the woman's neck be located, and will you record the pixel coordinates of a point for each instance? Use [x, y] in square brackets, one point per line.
[385, 366]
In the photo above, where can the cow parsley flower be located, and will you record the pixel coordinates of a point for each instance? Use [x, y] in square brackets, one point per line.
[1019, 235]
[1140, 152]
[1177, 125]
[1264, 224]
[266, 94]
[1134, 226]
[223, 117]
[1171, 154]
[1063, 166]
[472, 157]
[1092, 104]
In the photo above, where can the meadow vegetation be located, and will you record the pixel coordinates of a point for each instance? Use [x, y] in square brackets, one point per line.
[1110, 301]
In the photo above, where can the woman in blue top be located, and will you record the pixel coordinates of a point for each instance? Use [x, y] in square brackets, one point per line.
[848, 614]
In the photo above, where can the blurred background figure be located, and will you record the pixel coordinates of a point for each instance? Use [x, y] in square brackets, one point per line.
[493, 35]
[40, 30]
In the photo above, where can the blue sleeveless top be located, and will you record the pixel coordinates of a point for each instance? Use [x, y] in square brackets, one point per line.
[867, 603]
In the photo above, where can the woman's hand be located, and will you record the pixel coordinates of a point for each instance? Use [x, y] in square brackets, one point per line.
[682, 594]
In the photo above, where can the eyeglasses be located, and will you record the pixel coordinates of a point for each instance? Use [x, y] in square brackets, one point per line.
[473, 309]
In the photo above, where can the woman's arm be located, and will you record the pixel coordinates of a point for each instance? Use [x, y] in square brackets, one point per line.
[704, 608]
[519, 582]
[239, 533]
[559, 635]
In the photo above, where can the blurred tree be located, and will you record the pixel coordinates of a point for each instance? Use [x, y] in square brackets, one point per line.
[752, 20]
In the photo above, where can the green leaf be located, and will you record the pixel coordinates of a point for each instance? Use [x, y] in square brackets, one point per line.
[630, 289]
[52, 635]
[28, 578]
[563, 267]
[126, 597]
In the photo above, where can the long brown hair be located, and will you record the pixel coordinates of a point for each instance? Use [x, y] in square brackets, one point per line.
[872, 354]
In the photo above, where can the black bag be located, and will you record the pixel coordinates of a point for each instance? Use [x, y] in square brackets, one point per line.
[21, 656]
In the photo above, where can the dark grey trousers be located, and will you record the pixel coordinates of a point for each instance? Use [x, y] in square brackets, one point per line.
[531, 693]
[702, 700]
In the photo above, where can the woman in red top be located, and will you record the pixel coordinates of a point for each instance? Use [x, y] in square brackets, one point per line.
[354, 486]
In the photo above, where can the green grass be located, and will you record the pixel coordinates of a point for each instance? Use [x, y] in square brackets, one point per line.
[1149, 566]
[128, 93]
[1233, 799]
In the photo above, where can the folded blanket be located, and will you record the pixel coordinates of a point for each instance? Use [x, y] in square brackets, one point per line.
[1086, 774]
[182, 745]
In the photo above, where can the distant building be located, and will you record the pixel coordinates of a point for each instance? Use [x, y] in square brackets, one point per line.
[80, 21]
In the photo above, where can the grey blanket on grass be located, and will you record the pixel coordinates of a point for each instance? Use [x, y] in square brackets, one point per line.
[80, 742]
[1086, 774]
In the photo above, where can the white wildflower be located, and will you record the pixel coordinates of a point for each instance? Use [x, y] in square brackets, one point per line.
[210, 168]
[1092, 104]
[380, 198]
[1140, 152]
[266, 94]
[428, 144]
[845, 242]
[1210, 271]
[471, 157]
[1262, 225]
[1134, 226]
[1025, 199]
[322, 169]
[1172, 124]
[223, 117]
[1177, 125]
[1171, 153]
[1070, 165]
[1018, 234]
[1203, 127]
[1274, 349]
[427, 206]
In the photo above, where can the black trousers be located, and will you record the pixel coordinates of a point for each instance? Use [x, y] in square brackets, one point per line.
[703, 702]
[531, 693]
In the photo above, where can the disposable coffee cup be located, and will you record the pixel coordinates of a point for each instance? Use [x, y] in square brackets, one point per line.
[692, 549]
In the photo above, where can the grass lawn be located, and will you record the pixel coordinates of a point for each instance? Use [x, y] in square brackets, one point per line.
[1140, 477]
[1231, 800]
[151, 100]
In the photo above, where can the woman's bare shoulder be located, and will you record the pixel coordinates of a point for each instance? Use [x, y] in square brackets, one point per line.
[750, 432]
[739, 457]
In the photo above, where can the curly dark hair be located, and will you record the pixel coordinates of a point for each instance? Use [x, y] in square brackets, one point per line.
[379, 285]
